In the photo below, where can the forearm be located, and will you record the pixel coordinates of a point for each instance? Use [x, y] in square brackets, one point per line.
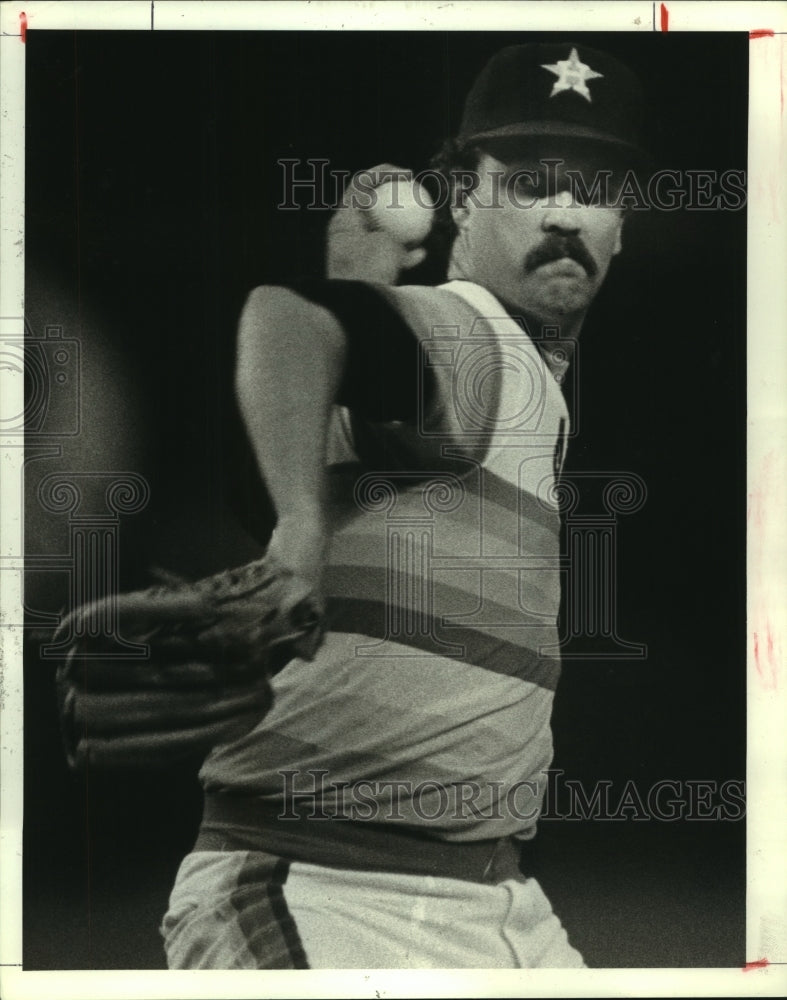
[291, 356]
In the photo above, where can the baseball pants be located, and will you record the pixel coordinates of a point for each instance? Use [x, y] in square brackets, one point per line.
[251, 910]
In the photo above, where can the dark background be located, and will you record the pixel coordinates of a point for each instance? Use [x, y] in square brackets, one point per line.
[151, 194]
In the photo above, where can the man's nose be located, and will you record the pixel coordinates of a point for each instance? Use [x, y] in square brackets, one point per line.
[560, 214]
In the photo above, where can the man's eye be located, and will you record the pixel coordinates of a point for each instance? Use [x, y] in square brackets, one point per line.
[529, 185]
[585, 198]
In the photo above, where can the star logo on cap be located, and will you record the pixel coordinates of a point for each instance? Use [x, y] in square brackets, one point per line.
[572, 74]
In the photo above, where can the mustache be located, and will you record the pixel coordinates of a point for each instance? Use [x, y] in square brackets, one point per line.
[556, 248]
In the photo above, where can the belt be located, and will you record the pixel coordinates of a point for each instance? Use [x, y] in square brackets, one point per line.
[233, 822]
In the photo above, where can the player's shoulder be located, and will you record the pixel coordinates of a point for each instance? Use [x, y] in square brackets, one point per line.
[454, 294]
[461, 308]
[458, 305]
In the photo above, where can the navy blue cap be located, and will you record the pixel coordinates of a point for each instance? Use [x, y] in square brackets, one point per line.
[566, 90]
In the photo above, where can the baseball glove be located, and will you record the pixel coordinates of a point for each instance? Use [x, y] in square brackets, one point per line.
[213, 645]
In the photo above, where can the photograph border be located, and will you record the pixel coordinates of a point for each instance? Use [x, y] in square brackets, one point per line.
[766, 944]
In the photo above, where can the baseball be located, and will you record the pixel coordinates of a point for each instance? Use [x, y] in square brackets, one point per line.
[404, 209]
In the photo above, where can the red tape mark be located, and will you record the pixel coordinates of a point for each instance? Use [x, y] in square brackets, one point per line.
[761, 963]
[664, 18]
[761, 33]
[23, 26]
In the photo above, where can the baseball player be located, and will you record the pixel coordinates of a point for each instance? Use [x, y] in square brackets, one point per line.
[378, 814]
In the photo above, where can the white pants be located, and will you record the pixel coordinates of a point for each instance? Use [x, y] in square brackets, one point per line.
[244, 909]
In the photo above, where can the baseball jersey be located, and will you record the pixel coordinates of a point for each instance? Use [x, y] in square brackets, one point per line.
[429, 704]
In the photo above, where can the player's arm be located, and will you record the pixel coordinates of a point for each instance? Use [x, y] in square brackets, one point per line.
[300, 350]
[294, 363]
[290, 364]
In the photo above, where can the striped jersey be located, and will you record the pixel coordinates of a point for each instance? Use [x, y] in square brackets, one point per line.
[429, 703]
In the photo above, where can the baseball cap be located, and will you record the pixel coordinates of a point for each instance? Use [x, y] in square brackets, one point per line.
[565, 90]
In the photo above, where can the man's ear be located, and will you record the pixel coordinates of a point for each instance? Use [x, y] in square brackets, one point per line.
[459, 208]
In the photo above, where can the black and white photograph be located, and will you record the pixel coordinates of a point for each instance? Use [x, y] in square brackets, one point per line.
[386, 600]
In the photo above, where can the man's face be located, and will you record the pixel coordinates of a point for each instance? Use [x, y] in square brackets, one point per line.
[536, 249]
